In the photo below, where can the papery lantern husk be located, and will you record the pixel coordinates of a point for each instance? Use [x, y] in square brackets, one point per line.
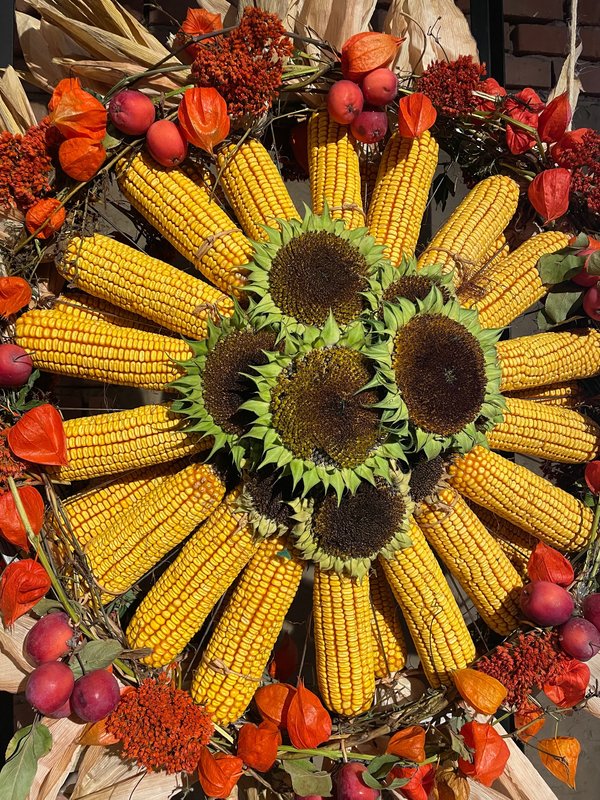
[481, 691]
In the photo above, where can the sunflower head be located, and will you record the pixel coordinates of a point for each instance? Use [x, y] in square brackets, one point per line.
[309, 269]
[404, 282]
[217, 380]
[347, 534]
[318, 416]
[264, 498]
[444, 368]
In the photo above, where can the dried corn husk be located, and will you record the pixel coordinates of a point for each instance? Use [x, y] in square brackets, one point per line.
[434, 30]
[14, 668]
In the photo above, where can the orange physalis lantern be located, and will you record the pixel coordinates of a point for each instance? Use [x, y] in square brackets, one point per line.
[257, 745]
[549, 191]
[77, 112]
[408, 743]
[367, 51]
[81, 158]
[560, 756]
[11, 526]
[421, 781]
[22, 584]
[553, 120]
[547, 564]
[568, 685]
[39, 436]
[47, 211]
[273, 702]
[308, 721]
[416, 115]
[14, 294]
[219, 773]
[490, 753]
[531, 716]
[479, 690]
[197, 21]
[203, 118]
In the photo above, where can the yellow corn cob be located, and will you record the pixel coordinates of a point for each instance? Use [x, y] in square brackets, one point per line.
[388, 640]
[523, 498]
[400, 197]
[69, 344]
[240, 646]
[569, 394]
[90, 512]
[545, 431]
[544, 358]
[334, 170]
[94, 309]
[475, 559]
[509, 286]
[473, 227]
[177, 605]
[254, 188]
[131, 279]
[140, 537]
[343, 642]
[104, 444]
[433, 617]
[179, 205]
[515, 543]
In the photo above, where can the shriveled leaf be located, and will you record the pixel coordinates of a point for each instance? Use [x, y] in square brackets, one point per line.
[306, 778]
[95, 655]
[19, 771]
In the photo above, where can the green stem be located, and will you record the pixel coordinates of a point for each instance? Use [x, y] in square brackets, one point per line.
[592, 559]
[56, 584]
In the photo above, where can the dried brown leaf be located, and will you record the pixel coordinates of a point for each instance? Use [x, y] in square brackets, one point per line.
[334, 21]
[434, 30]
[14, 668]
[55, 767]
[16, 114]
[108, 777]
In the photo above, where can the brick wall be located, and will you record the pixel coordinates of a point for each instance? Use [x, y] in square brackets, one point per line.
[536, 41]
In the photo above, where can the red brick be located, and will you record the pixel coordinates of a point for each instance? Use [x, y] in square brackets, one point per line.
[590, 78]
[590, 38]
[546, 40]
[588, 12]
[534, 72]
[507, 37]
[538, 10]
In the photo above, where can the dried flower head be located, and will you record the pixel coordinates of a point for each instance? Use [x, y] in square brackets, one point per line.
[160, 727]
[583, 158]
[524, 664]
[246, 66]
[450, 85]
[25, 164]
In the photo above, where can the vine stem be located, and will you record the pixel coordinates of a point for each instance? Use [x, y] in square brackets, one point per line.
[56, 584]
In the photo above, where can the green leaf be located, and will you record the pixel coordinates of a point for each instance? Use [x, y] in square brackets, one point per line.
[45, 605]
[592, 263]
[562, 303]
[23, 753]
[306, 779]
[95, 655]
[558, 267]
